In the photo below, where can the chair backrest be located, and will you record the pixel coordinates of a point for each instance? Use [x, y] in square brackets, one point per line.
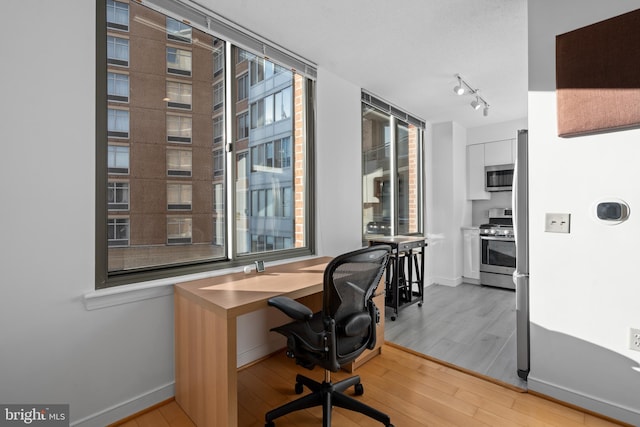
[350, 281]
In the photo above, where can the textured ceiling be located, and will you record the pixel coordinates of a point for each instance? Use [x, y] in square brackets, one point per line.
[406, 51]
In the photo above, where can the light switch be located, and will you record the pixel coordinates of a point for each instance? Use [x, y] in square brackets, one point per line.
[557, 222]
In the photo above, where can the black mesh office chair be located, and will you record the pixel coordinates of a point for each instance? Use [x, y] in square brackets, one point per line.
[338, 334]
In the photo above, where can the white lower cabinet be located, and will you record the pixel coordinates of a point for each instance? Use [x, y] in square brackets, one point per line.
[471, 258]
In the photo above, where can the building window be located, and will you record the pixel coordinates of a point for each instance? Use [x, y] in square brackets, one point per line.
[391, 171]
[118, 159]
[178, 61]
[179, 129]
[179, 197]
[179, 95]
[243, 125]
[218, 96]
[117, 51]
[117, 87]
[218, 129]
[178, 31]
[118, 196]
[179, 208]
[117, 15]
[118, 123]
[179, 162]
[243, 87]
[179, 230]
[218, 163]
[118, 232]
[218, 62]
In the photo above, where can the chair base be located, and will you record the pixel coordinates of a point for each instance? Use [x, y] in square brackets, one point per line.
[327, 395]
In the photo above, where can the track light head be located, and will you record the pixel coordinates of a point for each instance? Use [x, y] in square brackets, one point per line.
[485, 111]
[459, 88]
[475, 104]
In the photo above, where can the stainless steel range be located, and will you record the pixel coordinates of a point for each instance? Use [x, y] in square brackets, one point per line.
[498, 249]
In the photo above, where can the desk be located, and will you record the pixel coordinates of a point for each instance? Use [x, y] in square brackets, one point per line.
[206, 313]
[401, 277]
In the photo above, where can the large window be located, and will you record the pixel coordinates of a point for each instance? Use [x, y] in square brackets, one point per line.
[185, 182]
[392, 170]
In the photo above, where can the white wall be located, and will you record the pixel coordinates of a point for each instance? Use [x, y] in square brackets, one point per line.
[53, 350]
[584, 287]
[449, 209]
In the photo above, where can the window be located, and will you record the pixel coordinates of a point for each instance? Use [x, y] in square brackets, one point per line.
[179, 197]
[178, 31]
[167, 201]
[243, 125]
[178, 61]
[218, 163]
[118, 231]
[118, 196]
[118, 123]
[179, 129]
[392, 173]
[243, 87]
[117, 51]
[218, 129]
[117, 15]
[118, 159]
[179, 162]
[218, 62]
[179, 95]
[117, 87]
[218, 95]
[179, 230]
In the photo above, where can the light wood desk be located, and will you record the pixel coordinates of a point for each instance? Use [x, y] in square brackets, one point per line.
[206, 313]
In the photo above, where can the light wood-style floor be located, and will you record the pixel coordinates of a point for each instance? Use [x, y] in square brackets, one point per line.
[412, 390]
[470, 326]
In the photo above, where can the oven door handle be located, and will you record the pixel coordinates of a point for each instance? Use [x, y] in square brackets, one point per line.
[501, 239]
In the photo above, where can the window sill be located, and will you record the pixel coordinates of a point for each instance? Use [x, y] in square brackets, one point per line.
[135, 292]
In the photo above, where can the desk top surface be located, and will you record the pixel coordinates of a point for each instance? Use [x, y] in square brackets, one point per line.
[238, 293]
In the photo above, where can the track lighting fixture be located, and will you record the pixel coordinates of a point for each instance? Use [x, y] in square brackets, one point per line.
[464, 88]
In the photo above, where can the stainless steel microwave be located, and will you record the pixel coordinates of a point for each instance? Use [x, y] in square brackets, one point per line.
[498, 177]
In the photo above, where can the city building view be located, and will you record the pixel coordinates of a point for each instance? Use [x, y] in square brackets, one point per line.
[205, 152]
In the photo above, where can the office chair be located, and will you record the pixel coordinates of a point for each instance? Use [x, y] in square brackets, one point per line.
[338, 334]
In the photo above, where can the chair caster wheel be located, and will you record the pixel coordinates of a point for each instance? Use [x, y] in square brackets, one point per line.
[271, 424]
[359, 389]
[419, 304]
[393, 318]
[298, 389]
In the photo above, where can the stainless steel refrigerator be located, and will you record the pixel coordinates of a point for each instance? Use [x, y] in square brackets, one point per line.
[520, 196]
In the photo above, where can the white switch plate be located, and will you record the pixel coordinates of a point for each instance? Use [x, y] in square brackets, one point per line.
[557, 222]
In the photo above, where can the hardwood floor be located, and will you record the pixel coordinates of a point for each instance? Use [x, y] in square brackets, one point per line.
[412, 390]
[470, 326]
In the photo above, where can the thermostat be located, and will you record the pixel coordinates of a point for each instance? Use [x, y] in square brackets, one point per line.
[612, 211]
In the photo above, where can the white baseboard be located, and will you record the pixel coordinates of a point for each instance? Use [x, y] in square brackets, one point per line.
[127, 408]
[447, 281]
[608, 409]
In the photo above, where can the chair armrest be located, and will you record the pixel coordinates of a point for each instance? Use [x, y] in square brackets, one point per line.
[291, 308]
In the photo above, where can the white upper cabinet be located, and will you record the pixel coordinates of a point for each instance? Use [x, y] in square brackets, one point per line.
[499, 153]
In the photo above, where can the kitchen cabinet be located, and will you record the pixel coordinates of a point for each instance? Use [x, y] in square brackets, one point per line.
[499, 152]
[475, 173]
[471, 256]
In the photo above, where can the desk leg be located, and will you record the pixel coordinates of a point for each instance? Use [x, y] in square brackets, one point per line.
[206, 364]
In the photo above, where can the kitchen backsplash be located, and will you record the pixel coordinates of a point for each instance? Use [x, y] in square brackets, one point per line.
[480, 208]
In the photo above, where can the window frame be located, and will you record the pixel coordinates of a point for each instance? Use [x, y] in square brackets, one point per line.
[237, 39]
